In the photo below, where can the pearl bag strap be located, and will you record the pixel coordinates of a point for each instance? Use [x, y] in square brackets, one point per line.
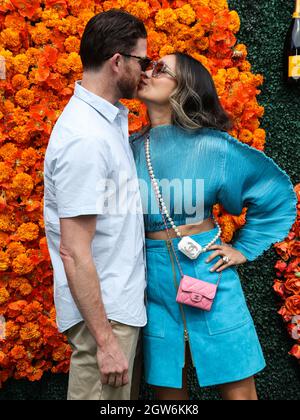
[168, 234]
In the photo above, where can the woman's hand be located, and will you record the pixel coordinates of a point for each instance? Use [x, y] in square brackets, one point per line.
[225, 250]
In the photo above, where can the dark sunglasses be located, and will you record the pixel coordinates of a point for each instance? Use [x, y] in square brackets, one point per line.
[144, 62]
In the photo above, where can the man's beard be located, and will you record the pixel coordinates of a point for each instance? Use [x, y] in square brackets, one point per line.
[127, 87]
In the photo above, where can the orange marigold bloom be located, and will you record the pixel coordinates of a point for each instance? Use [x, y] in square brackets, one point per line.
[259, 135]
[4, 261]
[29, 157]
[186, 14]
[19, 134]
[72, 44]
[167, 49]
[6, 172]
[4, 294]
[33, 55]
[139, 9]
[19, 82]
[11, 330]
[30, 331]
[7, 223]
[23, 184]
[9, 152]
[21, 63]
[22, 264]
[24, 98]
[165, 19]
[61, 353]
[235, 22]
[245, 136]
[33, 311]
[292, 305]
[40, 34]
[15, 248]
[18, 352]
[25, 289]
[9, 38]
[74, 62]
[3, 239]
[16, 282]
[28, 232]
[233, 74]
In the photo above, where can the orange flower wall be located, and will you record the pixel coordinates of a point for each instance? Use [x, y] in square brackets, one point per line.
[39, 42]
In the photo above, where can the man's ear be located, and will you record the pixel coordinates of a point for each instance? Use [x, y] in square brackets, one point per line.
[115, 62]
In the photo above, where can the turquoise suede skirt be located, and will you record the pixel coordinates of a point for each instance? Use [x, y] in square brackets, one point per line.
[223, 342]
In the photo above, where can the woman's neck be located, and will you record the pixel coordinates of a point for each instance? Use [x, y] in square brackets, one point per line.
[160, 116]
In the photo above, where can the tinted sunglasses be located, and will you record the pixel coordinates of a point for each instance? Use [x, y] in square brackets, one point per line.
[159, 67]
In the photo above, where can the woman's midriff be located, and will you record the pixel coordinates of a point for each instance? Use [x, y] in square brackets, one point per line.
[185, 230]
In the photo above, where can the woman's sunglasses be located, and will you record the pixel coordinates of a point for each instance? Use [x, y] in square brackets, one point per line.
[159, 67]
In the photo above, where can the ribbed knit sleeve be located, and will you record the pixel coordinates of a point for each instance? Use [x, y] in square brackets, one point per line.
[252, 179]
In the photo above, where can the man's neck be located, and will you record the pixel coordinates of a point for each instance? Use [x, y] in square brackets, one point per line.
[100, 86]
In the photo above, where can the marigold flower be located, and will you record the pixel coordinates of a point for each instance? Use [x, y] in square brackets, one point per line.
[14, 249]
[25, 289]
[139, 9]
[292, 305]
[4, 294]
[5, 172]
[18, 352]
[23, 184]
[12, 330]
[22, 264]
[3, 239]
[40, 34]
[295, 351]
[24, 98]
[32, 311]
[9, 38]
[165, 19]
[245, 136]
[21, 63]
[72, 44]
[19, 82]
[29, 157]
[186, 14]
[74, 62]
[9, 152]
[30, 332]
[4, 261]
[235, 22]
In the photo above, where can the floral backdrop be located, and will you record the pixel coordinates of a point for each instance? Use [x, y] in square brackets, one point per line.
[39, 44]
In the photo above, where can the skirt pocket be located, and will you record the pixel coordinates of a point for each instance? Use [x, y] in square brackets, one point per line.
[229, 310]
[155, 326]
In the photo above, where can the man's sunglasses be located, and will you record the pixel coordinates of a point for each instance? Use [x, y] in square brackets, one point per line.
[144, 62]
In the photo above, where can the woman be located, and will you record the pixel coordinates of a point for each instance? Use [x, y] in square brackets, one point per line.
[187, 141]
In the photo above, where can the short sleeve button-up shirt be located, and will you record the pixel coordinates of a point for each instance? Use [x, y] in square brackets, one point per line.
[90, 170]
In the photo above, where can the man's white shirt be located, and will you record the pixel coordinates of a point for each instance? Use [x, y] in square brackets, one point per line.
[90, 170]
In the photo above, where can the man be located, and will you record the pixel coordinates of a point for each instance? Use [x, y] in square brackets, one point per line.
[96, 242]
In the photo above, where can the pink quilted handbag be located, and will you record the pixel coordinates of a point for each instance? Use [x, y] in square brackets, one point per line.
[196, 293]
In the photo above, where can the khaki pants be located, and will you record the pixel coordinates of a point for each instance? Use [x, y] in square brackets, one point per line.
[84, 376]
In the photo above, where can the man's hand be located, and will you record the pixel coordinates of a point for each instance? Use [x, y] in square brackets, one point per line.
[112, 363]
[235, 257]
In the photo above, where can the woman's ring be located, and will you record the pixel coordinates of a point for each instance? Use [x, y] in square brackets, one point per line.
[226, 259]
